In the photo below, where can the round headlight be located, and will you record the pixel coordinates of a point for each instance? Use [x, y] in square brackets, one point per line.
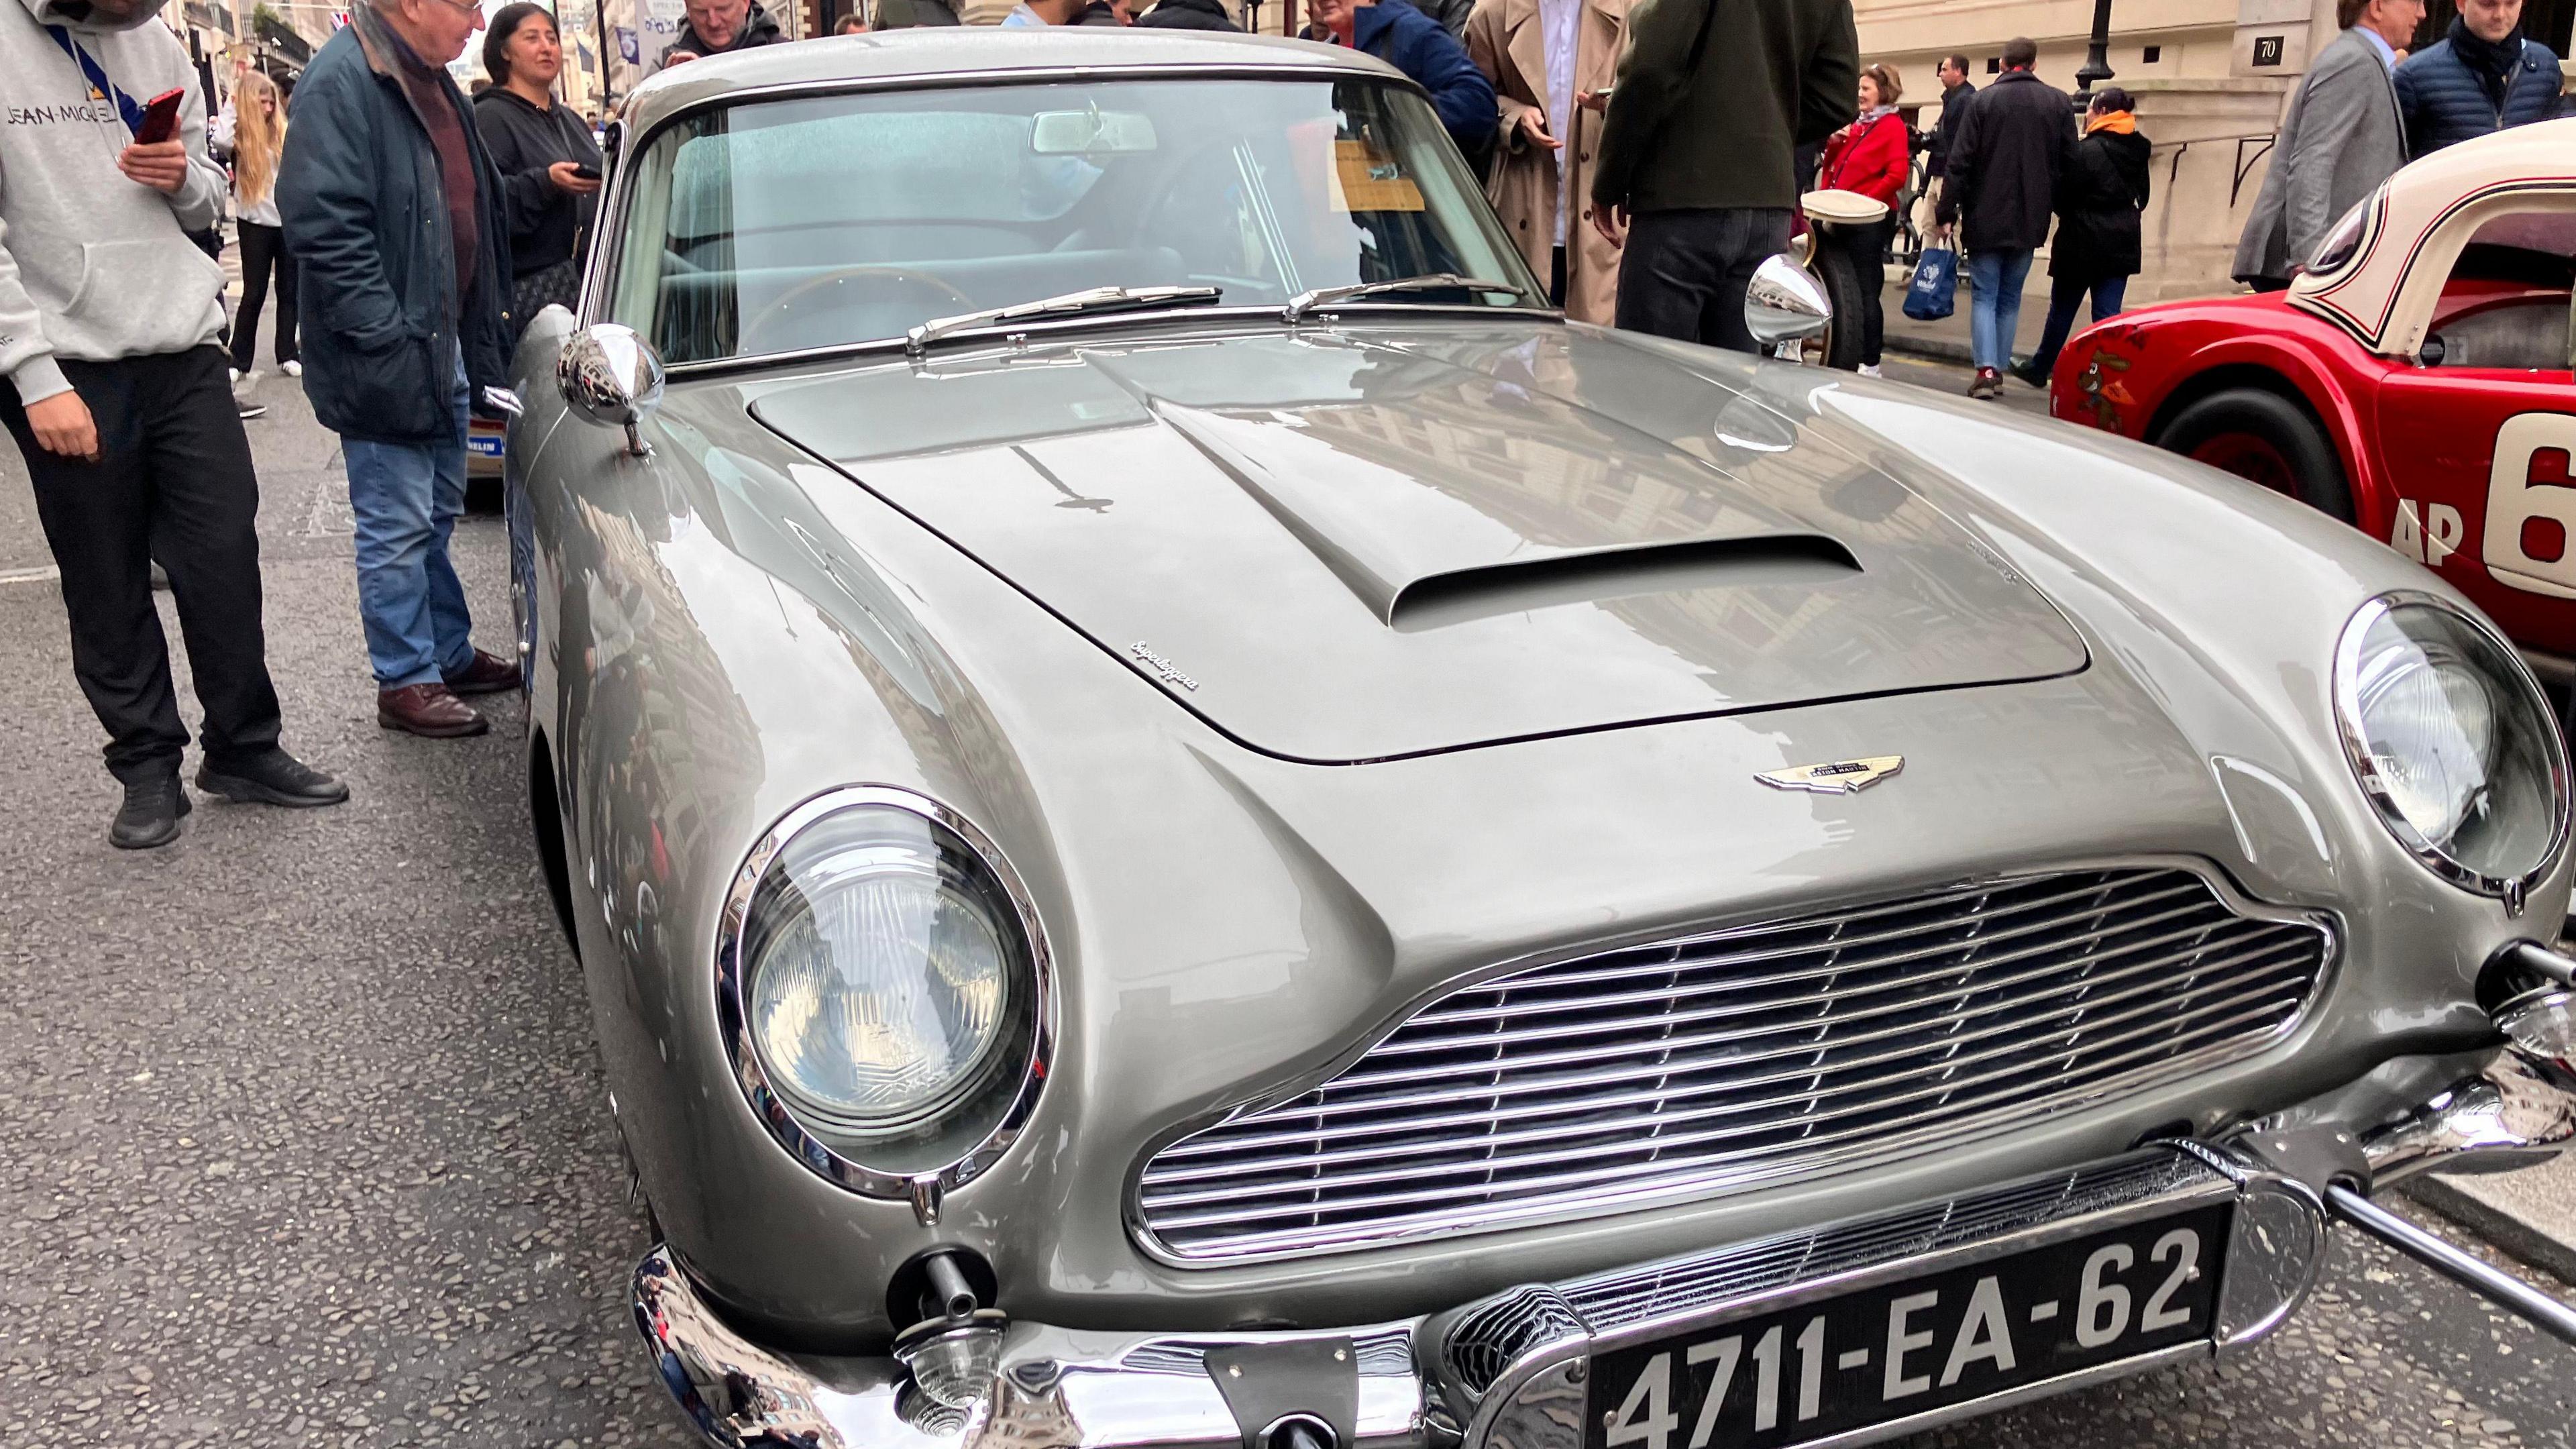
[2453, 743]
[884, 987]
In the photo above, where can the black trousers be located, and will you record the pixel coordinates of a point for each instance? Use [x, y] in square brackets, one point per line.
[1683, 274]
[1867, 248]
[263, 251]
[173, 482]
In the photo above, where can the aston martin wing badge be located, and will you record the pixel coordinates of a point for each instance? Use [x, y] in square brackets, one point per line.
[1834, 777]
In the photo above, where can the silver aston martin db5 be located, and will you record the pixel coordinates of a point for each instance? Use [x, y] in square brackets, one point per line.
[1193, 822]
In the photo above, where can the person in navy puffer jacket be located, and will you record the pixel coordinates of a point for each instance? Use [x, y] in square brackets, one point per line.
[2481, 77]
[1410, 40]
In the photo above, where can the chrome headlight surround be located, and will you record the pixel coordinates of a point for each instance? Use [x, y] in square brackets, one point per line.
[2512, 696]
[977, 1130]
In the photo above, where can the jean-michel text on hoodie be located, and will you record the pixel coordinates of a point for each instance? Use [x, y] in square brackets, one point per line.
[96, 113]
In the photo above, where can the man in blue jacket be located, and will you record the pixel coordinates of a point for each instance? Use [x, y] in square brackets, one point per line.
[2481, 77]
[392, 210]
[1419, 46]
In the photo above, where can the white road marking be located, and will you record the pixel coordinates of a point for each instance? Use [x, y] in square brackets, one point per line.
[327, 513]
[45, 575]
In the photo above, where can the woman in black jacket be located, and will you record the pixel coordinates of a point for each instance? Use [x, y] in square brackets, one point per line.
[541, 149]
[2099, 196]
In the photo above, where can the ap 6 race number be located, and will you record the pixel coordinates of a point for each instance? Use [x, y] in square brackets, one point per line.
[2529, 484]
[2529, 538]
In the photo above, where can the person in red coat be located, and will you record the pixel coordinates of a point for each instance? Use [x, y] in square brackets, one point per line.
[1870, 156]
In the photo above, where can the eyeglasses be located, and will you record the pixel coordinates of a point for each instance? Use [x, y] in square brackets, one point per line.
[470, 7]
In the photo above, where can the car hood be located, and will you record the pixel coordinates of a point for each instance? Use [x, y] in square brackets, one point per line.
[1336, 546]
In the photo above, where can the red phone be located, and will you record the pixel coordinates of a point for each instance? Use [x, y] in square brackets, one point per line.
[160, 118]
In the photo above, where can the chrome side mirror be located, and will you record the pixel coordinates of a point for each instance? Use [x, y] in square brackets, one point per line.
[1785, 304]
[611, 376]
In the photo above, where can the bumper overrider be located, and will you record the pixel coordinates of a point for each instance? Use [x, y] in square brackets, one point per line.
[1617, 1360]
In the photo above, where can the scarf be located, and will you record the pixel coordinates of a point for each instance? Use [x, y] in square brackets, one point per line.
[1874, 115]
[2118, 123]
[2491, 61]
[427, 87]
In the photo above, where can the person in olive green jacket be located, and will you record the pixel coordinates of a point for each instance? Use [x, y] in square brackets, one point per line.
[1694, 170]
[906, 14]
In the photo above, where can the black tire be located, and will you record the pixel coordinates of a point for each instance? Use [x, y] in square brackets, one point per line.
[2266, 439]
[1840, 347]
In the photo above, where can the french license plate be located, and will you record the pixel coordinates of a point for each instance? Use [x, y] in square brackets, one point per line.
[1898, 1349]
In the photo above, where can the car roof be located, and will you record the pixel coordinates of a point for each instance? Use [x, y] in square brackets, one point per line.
[2421, 217]
[931, 54]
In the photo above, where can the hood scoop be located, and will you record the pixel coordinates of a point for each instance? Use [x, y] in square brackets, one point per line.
[1340, 552]
[1778, 560]
[1402, 575]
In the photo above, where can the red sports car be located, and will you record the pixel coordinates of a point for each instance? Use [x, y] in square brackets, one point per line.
[2415, 381]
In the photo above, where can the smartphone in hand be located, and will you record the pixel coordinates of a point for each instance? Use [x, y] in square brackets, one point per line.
[160, 118]
[585, 171]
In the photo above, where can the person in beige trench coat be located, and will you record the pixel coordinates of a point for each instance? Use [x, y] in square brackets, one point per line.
[1504, 39]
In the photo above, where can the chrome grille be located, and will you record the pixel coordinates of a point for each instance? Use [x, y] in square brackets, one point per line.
[1693, 1066]
[1626, 1297]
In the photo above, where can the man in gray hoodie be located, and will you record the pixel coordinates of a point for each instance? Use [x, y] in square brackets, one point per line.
[120, 401]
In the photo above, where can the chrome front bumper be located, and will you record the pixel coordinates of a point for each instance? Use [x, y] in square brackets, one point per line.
[1509, 1372]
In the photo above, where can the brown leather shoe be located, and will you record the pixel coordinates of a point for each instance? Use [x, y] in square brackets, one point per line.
[428, 710]
[488, 674]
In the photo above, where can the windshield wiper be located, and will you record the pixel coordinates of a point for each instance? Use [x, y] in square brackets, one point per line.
[1089, 299]
[1307, 301]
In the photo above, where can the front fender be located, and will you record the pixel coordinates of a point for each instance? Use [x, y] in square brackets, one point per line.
[2348, 406]
[2173, 361]
[710, 655]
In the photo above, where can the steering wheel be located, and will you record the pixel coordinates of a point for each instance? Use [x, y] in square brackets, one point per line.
[785, 308]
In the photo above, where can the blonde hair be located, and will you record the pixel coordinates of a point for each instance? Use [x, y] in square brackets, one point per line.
[258, 137]
[1890, 84]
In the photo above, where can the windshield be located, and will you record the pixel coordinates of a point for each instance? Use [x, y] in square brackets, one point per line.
[2536, 248]
[782, 225]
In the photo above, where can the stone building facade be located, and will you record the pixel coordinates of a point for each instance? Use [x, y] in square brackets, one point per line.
[2211, 77]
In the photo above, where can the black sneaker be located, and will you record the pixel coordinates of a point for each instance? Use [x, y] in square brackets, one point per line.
[275, 778]
[150, 815]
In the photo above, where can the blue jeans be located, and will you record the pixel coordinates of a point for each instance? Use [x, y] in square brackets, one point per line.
[1995, 311]
[406, 497]
[2064, 295]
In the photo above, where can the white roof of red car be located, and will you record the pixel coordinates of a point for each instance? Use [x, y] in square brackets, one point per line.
[2421, 219]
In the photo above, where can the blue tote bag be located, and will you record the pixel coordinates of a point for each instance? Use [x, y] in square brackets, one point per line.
[1931, 296]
